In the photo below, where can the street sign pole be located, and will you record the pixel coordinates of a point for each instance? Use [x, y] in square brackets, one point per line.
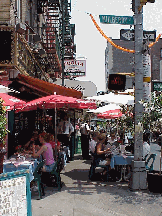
[138, 179]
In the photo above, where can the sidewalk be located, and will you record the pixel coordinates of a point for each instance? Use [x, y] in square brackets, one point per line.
[81, 197]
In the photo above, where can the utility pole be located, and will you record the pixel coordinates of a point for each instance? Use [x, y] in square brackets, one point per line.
[63, 32]
[138, 180]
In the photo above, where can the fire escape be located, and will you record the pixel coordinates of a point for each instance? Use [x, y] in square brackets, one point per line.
[58, 34]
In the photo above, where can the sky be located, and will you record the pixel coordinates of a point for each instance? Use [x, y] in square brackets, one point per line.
[91, 45]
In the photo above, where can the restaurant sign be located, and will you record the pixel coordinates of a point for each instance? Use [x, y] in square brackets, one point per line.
[75, 68]
[157, 86]
[15, 196]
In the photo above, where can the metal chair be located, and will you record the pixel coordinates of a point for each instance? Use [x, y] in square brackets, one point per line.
[37, 178]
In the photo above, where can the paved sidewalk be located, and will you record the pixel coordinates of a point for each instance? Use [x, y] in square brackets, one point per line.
[81, 197]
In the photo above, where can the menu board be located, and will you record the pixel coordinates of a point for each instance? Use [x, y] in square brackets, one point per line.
[14, 196]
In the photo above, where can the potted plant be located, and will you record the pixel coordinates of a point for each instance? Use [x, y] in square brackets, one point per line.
[3, 133]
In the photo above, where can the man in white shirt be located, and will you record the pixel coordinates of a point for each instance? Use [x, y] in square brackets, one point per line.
[146, 146]
[65, 128]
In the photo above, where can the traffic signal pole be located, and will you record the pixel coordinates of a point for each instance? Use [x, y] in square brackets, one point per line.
[138, 179]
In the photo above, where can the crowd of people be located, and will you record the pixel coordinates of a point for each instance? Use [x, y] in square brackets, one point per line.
[96, 144]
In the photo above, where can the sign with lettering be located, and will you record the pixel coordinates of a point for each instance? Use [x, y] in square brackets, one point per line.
[15, 195]
[128, 35]
[111, 19]
[75, 68]
[116, 82]
[157, 86]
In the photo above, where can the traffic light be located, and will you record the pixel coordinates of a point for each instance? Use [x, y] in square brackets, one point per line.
[142, 2]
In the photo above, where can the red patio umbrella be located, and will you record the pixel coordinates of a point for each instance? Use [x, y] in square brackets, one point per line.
[12, 102]
[59, 101]
[111, 114]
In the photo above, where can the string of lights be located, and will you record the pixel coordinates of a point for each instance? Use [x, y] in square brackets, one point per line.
[115, 45]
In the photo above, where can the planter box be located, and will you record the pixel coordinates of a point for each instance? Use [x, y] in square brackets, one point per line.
[154, 182]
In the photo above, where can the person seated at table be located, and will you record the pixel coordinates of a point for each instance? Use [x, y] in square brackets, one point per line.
[102, 154]
[93, 142]
[146, 146]
[46, 151]
[58, 151]
[112, 139]
[34, 140]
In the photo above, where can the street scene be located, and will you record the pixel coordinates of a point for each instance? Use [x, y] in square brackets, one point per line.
[80, 108]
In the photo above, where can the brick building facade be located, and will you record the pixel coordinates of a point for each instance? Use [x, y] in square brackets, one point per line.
[123, 62]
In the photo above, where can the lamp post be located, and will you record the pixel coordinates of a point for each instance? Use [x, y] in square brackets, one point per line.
[138, 180]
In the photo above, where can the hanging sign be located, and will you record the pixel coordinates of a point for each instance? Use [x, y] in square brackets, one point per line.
[128, 35]
[75, 68]
[15, 195]
[112, 19]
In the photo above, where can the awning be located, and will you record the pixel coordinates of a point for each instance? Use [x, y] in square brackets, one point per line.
[11, 102]
[58, 101]
[46, 88]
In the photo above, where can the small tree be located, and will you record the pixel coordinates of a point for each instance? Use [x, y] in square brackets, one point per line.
[3, 123]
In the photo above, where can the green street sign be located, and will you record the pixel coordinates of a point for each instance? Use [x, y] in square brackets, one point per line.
[157, 86]
[111, 19]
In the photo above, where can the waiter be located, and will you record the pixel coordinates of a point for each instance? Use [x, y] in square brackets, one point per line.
[84, 129]
[65, 129]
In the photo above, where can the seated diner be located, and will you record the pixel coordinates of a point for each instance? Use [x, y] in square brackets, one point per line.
[101, 153]
[46, 151]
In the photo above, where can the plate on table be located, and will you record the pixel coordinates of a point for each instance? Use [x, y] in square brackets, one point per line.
[129, 154]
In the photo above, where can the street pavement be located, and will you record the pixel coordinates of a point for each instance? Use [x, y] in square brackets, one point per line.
[81, 197]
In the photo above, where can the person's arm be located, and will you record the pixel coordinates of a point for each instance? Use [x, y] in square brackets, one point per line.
[71, 129]
[29, 142]
[42, 149]
[99, 152]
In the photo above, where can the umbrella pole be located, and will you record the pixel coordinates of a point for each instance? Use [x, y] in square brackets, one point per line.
[55, 132]
[117, 127]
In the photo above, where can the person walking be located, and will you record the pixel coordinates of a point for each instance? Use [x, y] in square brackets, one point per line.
[84, 130]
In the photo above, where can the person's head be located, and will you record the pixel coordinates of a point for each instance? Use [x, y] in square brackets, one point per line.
[112, 134]
[95, 135]
[44, 137]
[52, 137]
[64, 116]
[102, 137]
[35, 135]
[145, 137]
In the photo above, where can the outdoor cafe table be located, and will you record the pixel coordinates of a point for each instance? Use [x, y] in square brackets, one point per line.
[122, 160]
[14, 165]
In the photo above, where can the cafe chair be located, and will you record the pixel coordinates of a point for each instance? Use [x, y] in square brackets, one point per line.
[149, 167]
[95, 164]
[37, 178]
[55, 173]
